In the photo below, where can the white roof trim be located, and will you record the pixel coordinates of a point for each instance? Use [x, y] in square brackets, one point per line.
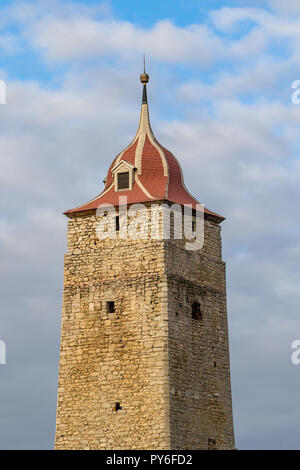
[125, 162]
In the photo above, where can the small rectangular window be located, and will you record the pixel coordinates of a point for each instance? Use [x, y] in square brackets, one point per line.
[117, 223]
[196, 311]
[110, 307]
[123, 180]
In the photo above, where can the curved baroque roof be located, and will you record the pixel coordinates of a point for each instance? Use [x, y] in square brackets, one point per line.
[157, 173]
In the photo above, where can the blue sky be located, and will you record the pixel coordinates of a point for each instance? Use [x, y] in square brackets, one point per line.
[220, 100]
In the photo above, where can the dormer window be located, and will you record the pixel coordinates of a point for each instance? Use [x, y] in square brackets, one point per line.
[123, 174]
[123, 180]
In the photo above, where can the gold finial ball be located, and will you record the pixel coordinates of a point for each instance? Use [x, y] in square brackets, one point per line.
[144, 78]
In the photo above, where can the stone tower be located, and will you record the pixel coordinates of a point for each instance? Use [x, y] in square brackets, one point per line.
[144, 357]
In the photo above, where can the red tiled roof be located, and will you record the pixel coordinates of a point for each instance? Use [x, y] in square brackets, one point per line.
[157, 173]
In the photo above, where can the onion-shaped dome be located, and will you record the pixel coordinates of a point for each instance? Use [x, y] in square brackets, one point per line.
[144, 171]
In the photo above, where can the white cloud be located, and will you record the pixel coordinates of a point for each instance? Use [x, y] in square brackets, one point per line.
[79, 32]
[291, 6]
[66, 39]
[65, 36]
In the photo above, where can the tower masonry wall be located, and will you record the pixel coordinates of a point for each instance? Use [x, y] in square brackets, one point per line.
[148, 357]
[199, 368]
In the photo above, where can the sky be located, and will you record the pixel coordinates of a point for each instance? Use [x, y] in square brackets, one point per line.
[220, 99]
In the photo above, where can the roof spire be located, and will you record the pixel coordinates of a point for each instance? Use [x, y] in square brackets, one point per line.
[144, 80]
